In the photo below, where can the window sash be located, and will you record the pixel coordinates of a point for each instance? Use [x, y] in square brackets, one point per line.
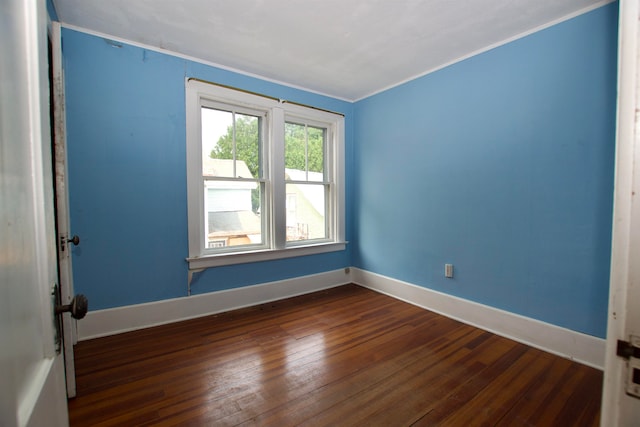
[235, 110]
[326, 139]
[242, 216]
[305, 219]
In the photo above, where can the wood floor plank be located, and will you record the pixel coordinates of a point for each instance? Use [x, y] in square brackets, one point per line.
[500, 395]
[343, 356]
[547, 385]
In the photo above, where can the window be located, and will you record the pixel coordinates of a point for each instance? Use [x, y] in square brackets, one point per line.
[265, 177]
[306, 187]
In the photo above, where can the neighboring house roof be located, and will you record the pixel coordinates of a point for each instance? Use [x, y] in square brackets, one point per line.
[224, 168]
[313, 193]
[233, 223]
[300, 175]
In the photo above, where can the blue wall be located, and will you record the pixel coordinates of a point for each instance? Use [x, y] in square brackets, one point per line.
[127, 174]
[502, 165]
[51, 10]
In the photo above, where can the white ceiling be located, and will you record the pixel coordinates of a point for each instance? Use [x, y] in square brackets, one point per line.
[343, 48]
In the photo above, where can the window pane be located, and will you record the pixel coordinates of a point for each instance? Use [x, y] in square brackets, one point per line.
[217, 142]
[304, 151]
[295, 147]
[247, 146]
[230, 144]
[306, 212]
[316, 153]
[232, 213]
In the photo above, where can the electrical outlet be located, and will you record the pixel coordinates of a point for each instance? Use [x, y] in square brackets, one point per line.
[448, 271]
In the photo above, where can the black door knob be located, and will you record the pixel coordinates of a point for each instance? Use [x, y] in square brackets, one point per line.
[75, 240]
[78, 307]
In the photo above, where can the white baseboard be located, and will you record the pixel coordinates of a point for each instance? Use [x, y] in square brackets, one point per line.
[573, 345]
[112, 321]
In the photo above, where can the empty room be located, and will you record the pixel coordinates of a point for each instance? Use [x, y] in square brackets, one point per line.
[323, 213]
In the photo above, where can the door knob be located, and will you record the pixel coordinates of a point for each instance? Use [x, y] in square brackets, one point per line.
[75, 240]
[78, 307]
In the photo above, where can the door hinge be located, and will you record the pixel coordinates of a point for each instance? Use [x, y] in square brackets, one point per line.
[630, 350]
[626, 350]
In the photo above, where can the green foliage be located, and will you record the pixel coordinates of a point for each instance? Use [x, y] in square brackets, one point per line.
[294, 137]
[247, 148]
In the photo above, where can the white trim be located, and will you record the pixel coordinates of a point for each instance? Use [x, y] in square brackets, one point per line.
[199, 61]
[112, 321]
[619, 408]
[65, 270]
[491, 47]
[278, 189]
[576, 346]
[199, 93]
[231, 258]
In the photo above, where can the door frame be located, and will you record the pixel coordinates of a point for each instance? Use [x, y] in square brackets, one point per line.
[618, 408]
[69, 325]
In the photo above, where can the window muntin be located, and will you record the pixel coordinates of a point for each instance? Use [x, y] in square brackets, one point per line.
[275, 198]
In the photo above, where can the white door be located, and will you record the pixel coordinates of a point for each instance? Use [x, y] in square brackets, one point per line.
[32, 388]
[619, 405]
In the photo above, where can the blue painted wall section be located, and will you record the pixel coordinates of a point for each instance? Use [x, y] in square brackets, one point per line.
[502, 165]
[127, 174]
[51, 10]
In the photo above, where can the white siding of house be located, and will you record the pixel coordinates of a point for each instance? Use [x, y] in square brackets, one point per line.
[228, 199]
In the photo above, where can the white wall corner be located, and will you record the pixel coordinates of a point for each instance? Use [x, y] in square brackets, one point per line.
[563, 342]
[113, 321]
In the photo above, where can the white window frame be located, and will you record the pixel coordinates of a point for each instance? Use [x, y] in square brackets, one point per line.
[200, 93]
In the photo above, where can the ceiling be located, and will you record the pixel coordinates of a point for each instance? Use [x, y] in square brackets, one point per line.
[348, 49]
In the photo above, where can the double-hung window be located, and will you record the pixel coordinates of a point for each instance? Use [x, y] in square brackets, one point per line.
[265, 177]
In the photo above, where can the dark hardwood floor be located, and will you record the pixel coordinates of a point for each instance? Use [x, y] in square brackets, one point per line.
[343, 357]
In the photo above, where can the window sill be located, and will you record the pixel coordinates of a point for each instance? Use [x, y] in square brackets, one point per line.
[198, 263]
